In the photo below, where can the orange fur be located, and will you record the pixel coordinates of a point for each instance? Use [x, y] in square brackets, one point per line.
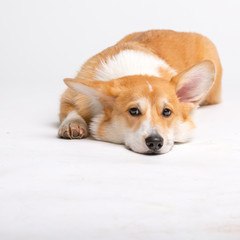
[179, 50]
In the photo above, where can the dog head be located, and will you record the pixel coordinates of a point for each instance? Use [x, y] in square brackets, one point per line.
[147, 114]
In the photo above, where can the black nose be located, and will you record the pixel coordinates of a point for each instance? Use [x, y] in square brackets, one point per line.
[154, 142]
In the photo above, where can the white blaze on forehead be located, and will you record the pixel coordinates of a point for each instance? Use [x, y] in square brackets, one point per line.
[149, 86]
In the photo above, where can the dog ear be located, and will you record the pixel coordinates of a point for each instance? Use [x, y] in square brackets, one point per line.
[96, 90]
[193, 84]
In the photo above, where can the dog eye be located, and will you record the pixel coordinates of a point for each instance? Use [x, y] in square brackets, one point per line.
[134, 111]
[166, 112]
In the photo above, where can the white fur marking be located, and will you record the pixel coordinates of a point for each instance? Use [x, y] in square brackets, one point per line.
[149, 86]
[94, 125]
[112, 131]
[73, 116]
[183, 132]
[131, 62]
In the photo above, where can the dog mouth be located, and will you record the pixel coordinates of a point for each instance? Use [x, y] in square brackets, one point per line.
[147, 153]
[151, 153]
[165, 149]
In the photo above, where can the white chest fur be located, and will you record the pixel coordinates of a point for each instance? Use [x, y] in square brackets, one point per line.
[131, 62]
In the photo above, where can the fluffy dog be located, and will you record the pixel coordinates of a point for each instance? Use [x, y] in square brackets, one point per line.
[141, 92]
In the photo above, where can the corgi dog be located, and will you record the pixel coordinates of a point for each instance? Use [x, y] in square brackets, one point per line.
[142, 91]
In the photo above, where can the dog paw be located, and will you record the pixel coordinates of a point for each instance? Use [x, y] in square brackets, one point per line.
[73, 131]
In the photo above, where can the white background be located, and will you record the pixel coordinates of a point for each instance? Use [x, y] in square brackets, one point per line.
[57, 189]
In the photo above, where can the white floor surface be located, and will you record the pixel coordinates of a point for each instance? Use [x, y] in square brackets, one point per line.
[55, 189]
[52, 188]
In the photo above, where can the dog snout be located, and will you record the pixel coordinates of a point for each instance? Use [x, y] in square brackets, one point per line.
[154, 142]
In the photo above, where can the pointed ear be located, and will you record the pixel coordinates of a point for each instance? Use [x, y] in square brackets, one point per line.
[92, 89]
[103, 92]
[193, 84]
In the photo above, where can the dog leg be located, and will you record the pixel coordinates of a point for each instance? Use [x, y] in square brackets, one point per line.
[73, 126]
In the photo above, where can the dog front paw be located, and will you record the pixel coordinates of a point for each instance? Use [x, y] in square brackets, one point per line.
[73, 131]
